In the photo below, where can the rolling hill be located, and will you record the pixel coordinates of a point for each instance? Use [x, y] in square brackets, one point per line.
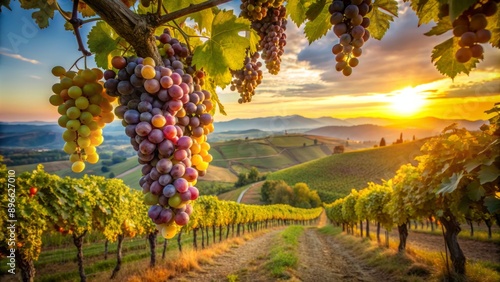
[334, 176]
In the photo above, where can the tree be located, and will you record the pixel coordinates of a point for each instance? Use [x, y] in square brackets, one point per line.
[382, 142]
[268, 189]
[283, 194]
[315, 141]
[253, 175]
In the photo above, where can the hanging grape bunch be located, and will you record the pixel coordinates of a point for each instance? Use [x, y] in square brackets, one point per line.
[470, 28]
[85, 108]
[257, 9]
[248, 78]
[271, 30]
[350, 25]
[167, 117]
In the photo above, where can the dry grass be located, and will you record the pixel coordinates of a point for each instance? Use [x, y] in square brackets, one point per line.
[189, 260]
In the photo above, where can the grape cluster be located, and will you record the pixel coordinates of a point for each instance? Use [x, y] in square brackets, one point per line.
[167, 117]
[350, 24]
[470, 27]
[271, 30]
[85, 108]
[248, 78]
[257, 9]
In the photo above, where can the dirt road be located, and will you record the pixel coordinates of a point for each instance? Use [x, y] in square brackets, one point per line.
[246, 261]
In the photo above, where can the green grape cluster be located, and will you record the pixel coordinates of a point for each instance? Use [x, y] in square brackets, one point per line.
[470, 28]
[350, 24]
[85, 108]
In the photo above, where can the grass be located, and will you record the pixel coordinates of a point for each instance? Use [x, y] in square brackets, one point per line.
[269, 163]
[334, 176]
[132, 179]
[290, 141]
[309, 153]
[246, 149]
[284, 254]
[414, 265]
[232, 195]
[479, 235]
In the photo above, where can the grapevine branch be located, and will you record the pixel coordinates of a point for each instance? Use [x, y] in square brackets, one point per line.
[76, 23]
[191, 9]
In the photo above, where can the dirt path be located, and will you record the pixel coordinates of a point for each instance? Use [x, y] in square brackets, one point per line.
[321, 258]
[246, 261]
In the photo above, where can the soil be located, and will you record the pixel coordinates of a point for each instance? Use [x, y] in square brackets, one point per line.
[473, 249]
[321, 258]
[246, 261]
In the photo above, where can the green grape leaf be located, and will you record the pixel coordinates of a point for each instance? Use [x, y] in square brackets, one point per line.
[254, 41]
[297, 10]
[457, 7]
[443, 57]
[315, 9]
[225, 49]
[204, 19]
[6, 4]
[426, 10]
[442, 26]
[488, 173]
[475, 191]
[317, 28]
[382, 14]
[43, 15]
[102, 40]
[448, 185]
[494, 27]
[492, 204]
[68, 26]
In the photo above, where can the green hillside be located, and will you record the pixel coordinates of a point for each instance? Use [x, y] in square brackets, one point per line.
[273, 153]
[334, 176]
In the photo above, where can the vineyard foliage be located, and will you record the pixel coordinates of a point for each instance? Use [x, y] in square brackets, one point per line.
[457, 177]
[94, 203]
[334, 176]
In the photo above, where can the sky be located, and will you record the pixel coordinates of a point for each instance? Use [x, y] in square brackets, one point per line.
[394, 79]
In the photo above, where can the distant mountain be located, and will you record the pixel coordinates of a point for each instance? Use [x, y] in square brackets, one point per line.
[276, 123]
[294, 122]
[45, 135]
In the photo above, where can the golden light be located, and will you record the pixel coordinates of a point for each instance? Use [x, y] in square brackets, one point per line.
[408, 101]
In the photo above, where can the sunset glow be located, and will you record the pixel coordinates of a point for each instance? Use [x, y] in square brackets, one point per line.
[407, 102]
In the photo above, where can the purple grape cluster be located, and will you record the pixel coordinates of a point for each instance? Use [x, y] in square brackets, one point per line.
[349, 21]
[248, 78]
[167, 117]
[257, 9]
[271, 29]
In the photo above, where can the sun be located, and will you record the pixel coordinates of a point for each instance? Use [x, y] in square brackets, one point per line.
[407, 101]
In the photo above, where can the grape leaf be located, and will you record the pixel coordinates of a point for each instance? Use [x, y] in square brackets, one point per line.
[317, 28]
[44, 13]
[85, 10]
[254, 41]
[475, 191]
[457, 7]
[102, 40]
[492, 204]
[204, 19]
[494, 27]
[297, 10]
[426, 10]
[488, 173]
[442, 26]
[5, 3]
[448, 185]
[381, 19]
[315, 9]
[210, 86]
[443, 57]
[225, 49]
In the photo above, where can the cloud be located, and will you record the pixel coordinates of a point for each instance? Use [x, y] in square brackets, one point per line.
[18, 57]
[472, 89]
[35, 77]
